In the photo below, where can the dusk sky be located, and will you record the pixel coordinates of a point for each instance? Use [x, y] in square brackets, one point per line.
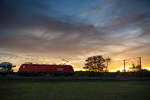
[47, 31]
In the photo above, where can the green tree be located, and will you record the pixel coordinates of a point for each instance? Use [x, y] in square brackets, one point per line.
[95, 63]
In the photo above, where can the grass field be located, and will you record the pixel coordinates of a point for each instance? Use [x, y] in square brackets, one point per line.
[74, 90]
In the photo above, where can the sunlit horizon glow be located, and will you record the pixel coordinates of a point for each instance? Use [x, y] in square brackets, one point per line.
[47, 31]
[113, 66]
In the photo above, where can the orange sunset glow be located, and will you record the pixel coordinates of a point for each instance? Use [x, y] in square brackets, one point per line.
[115, 65]
[74, 31]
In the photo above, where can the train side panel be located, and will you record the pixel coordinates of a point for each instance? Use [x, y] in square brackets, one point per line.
[39, 68]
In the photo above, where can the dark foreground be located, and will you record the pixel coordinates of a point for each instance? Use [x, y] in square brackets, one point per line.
[74, 90]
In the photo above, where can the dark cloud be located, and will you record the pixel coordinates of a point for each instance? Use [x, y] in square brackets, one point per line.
[70, 37]
[42, 28]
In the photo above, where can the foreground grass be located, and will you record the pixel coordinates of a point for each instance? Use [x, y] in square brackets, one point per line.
[74, 90]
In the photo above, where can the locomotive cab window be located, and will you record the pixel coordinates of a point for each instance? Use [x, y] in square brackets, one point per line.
[23, 66]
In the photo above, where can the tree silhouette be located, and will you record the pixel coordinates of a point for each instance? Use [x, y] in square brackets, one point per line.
[95, 63]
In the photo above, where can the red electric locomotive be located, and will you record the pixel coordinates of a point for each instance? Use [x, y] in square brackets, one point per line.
[42, 69]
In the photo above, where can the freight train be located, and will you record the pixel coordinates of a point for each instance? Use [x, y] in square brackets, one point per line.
[45, 69]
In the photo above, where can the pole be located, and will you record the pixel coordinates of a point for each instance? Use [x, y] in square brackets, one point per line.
[140, 63]
[124, 63]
